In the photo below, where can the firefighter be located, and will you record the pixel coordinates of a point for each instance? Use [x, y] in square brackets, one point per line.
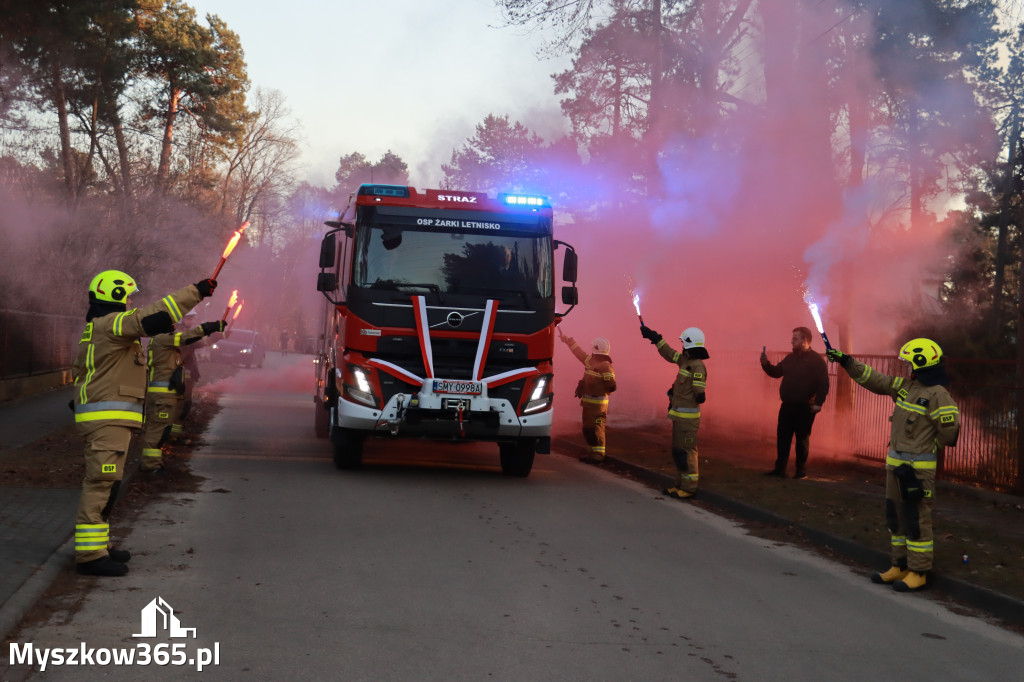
[924, 418]
[110, 382]
[597, 384]
[685, 398]
[190, 375]
[165, 392]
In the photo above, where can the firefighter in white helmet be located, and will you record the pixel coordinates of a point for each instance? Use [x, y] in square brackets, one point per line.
[110, 389]
[924, 418]
[685, 398]
[165, 392]
[593, 390]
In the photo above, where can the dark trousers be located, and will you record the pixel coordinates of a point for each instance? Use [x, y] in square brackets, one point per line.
[795, 419]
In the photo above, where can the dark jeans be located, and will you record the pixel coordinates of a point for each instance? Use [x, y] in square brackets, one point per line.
[795, 419]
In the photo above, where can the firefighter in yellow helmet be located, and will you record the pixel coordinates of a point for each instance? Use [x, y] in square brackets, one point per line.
[165, 392]
[597, 384]
[110, 389]
[924, 418]
[685, 398]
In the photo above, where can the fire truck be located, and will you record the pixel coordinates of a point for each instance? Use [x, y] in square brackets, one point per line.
[439, 321]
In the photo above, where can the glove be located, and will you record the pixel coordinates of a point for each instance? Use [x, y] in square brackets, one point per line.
[649, 334]
[213, 327]
[839, 356]
[206, 287]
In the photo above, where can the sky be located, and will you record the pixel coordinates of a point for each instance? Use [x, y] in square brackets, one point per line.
[409, 76]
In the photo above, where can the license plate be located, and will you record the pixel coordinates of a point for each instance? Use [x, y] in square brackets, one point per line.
[460, 387]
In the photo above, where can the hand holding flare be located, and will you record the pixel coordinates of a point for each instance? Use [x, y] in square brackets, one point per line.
[231, 303]
[229, 248]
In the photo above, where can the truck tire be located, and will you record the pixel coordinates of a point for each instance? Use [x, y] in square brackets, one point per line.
[517, 457]
[348, 448]
[321, 419]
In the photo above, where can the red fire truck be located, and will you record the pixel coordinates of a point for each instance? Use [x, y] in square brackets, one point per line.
[440, 321]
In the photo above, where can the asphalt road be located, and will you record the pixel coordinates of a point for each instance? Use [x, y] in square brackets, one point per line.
[429, 564]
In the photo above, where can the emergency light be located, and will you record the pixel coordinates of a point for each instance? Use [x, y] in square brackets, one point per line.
[524, 200]
[385, 190]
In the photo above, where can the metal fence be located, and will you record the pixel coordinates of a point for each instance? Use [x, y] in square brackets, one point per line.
[37, 343]
[987, 453]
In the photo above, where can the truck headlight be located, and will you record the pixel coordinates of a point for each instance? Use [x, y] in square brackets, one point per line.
[360, 390]
[540, 397]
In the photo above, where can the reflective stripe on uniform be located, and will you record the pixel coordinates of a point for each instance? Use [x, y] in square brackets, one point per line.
[154, 388]
[593, 400]
[675, 355]
[689, 477]
[151, 452]
[921, 460]
[911, 407]
[947, 409]
[91, 536]
[865, 375]
[177, 339]
[899, 540]
[90, 369]
[685, 412]
[172, 307]
[108, 409]
[920, 547]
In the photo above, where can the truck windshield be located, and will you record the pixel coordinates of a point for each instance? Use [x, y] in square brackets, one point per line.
[492, 265]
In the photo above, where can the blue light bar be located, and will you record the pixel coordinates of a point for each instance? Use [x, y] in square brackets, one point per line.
[385, 190]
[525, 200]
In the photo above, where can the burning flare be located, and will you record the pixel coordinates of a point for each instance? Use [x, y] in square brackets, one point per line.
[231, 302]
[229, 248]
[813, 307]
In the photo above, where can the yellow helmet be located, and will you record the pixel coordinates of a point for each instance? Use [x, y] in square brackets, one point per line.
[112, 286]
[921, 353]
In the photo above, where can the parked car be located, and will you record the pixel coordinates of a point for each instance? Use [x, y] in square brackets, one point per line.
[239, 347]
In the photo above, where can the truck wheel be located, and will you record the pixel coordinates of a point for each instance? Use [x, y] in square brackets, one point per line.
[348, 448]
[517, 457]
[321, 419]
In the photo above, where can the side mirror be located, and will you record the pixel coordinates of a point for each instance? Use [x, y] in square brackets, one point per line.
[327, 281]
[570, 295]
[328, 252]
[569, 266]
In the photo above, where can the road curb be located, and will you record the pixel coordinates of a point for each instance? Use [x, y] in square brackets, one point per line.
[1000, 606]
[14, 610]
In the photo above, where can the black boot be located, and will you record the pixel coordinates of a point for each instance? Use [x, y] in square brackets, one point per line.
[121, 556]
[104, 566]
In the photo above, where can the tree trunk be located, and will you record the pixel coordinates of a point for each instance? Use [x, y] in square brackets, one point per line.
[165, 146]
[61, 102]
[114, 114]
[1005, 202]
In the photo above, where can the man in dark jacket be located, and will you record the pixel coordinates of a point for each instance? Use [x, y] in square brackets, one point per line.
[803, 390]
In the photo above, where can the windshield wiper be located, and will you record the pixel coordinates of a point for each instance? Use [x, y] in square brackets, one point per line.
[398, 286]
[501, 293]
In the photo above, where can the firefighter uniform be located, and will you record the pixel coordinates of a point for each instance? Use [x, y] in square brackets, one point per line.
[924, 418]
[594, 388]
[685, 398]
[165, 392]
[110, 380]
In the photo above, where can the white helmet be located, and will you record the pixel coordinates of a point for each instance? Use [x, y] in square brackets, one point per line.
[601, 346]
[692, 337]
